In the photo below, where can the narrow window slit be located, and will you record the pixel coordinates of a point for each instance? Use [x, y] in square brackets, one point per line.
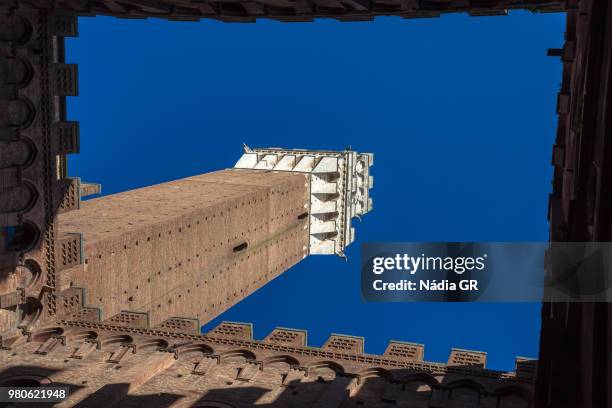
[241, 247]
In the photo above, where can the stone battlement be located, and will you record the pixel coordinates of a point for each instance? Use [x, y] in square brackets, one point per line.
[345, 350]
[395, 352]
[228, 365]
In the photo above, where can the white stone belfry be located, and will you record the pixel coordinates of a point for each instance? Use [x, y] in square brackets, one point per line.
[340, 184]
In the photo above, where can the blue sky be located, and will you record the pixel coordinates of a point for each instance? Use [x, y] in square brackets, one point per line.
[459, 112]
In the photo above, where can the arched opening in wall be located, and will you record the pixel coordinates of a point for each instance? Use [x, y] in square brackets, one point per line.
[155, 344]
[376, 372]
[233, 362]
[18, 238]
[28, 274]
[194, 353]
[464, 394]
[45, 334]
[17, 199]
[324, 372]
[417, 391]
[16, 113]
[14, 28]
[276, 370]
[370, 384]
[419, 383]
[17, 71]
[287, 359]
[117, 340]
[83, 335]
[16, 153]
[238, 356]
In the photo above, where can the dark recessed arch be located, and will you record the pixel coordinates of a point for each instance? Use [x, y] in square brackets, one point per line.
[17, 153]
[513, 390]
[283, 358]
[83, 335]
[191, 349]
[337, 368]
[247, 354]
[467, 383]
[152, 344]
[28, 274]
[375, 372]
[421, 377]
[43, 335]
[116, 339]
[18, 199]
[20, 238]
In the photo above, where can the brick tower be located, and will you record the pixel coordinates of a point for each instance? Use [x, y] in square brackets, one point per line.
[194, 247]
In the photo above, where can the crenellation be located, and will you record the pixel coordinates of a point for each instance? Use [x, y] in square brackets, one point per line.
[65, 25]
[344, 343]
[87, 189]
[467, 358]
[211, 366]
[285, 336]
[233, 338]
[129, 318]
[181, 325]
[233, 330]
[526, 367]
[405, 350]
[65, 79]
